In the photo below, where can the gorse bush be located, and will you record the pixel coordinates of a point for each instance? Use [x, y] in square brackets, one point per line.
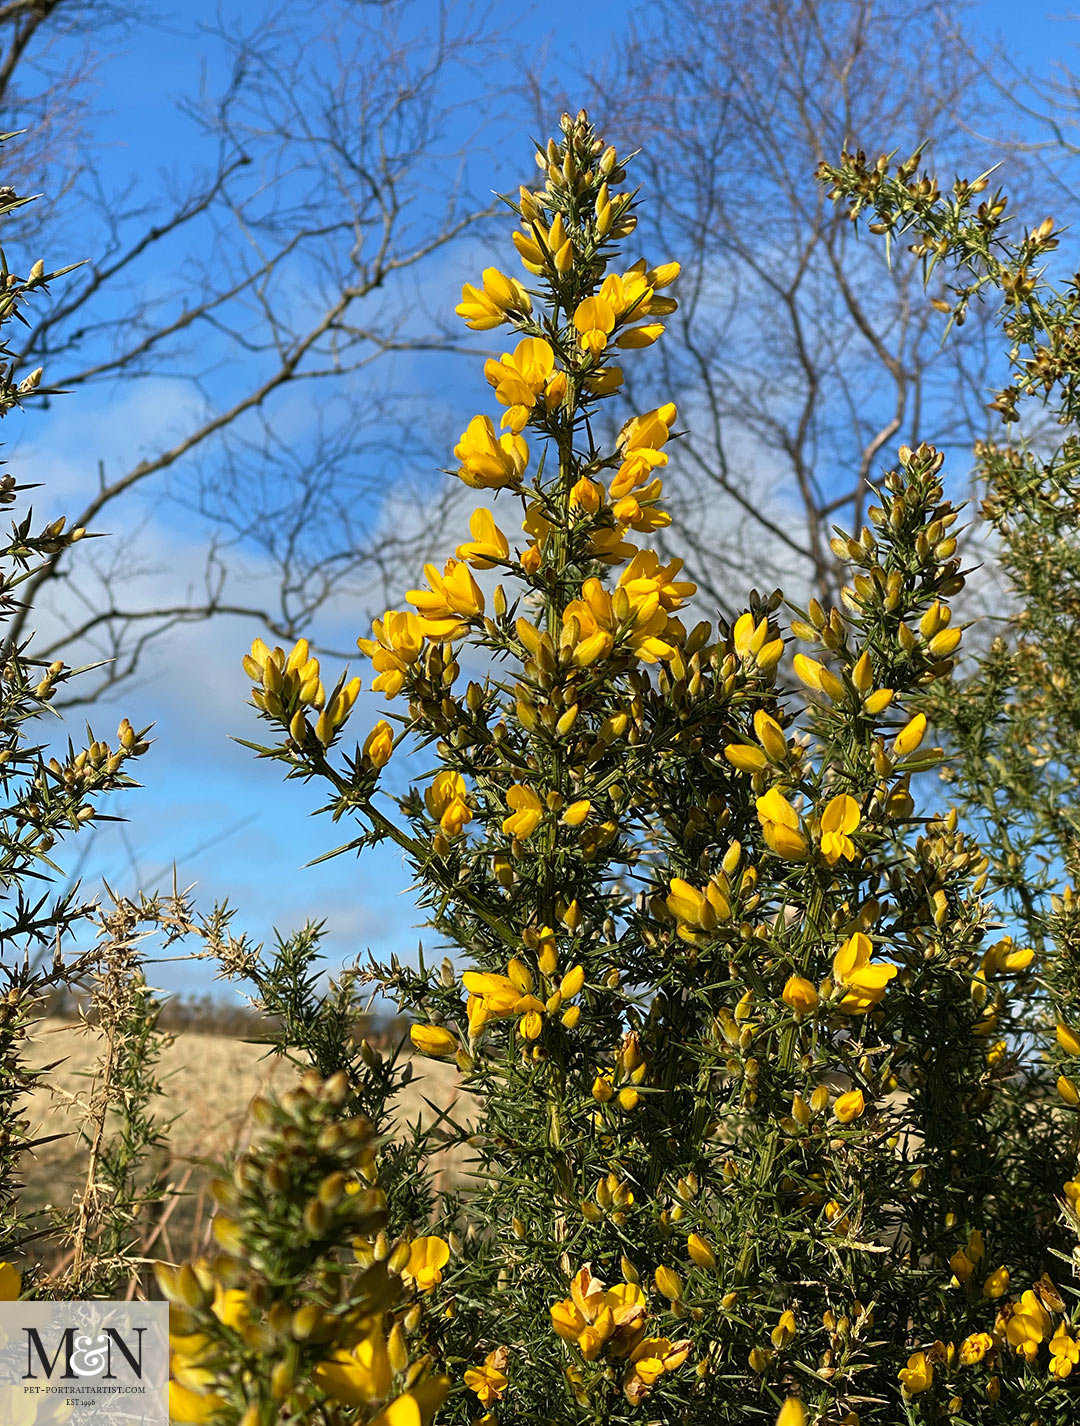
[765, 1007]
[45, 797]
[764, 1116]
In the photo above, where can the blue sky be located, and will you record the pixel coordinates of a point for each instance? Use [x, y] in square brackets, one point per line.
[229, 823]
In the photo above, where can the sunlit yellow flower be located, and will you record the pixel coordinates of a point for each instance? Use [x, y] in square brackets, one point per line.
[792, 1413]
[427, 1258]
[490, 1380]
[698, 912]
[1005, 957]
[520, 378]
[780, 826]
[700, 1251]
[651, 585]
[668, 1283]
[864, 979]
[590, 625]
[650, 1359]
[840, 818]
[604, 382]
[489, 461]
[1064, 1352]
[488, 545]
[918, 1375]
[639, 511]
[641, 441]
[1028, 1325]
[598, 1318]
[379, 744]
[10, 1283]
[359, 1375]
[608, 543]
[910, 735]
[526, 812]
[447, 802]
[801, 994]
[451, 599]
[433, 1040]
[594, 319]
[496, 997]
[187, 1405]
[486, 307]
[752, 642]
[394, 649]
[287, 684]
[962, 1267]
[784, 1332]
[849, 1106]
[974, 1348]
[415, 1407]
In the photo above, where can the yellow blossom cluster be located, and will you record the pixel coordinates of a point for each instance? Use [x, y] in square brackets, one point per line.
[288, 685]
[612, 1322]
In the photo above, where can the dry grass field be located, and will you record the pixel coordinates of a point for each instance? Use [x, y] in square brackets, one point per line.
[209, 1081]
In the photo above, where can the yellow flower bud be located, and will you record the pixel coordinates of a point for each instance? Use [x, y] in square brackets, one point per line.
[700, 1251]
[1068, 1040]
[801, 995]
[911, 735]
[669, 1283]
[433, 1040]
[849, 1106]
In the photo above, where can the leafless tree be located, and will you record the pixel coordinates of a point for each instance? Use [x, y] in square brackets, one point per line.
[272, 290]
[799, 356]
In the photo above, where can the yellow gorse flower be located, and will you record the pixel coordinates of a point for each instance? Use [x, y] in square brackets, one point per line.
[427, 1258]
[360, 1375]
[489, 1381]
[598, 623]
[526, 812]
[864, 980]
[488, 461]
[801, 994]
[610, 1322]
[849, 1106]
[450, 601]
[290, 685]
[394, 649]
[433, 1040]
[379, 744]
[918, 1375]
[640, 442]
[520, 379]
[488, 545]
[494, 996]
[974, 1348]
[840, 818]
[446, 800]
[699, 912]
[780, 826]
[1064, 1352]
[1028, 1325]
[489, 306]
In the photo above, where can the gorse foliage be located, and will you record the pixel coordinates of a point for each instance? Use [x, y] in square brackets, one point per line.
[43, 798]
[767, 1117]
[762, 1124]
